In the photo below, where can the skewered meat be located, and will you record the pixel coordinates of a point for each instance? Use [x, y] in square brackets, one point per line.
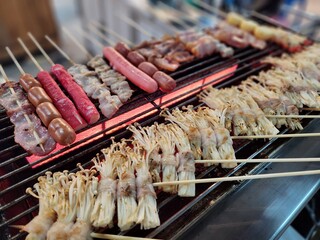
[27, 81]
[82, 102]
[37, 95]
[28, 131]
[61, 101]
[136, 76]
[47, 112]
[62, 131]
[88, 80]
[117, 82]
[234, 37]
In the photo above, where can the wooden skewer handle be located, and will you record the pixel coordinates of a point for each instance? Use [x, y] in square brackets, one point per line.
[258, 160]
[117, 237]
[292, 116]
[240, 178]
[278, 136]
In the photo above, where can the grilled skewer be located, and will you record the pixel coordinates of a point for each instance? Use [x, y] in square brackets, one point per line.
[60, 100]
[58, 128]
[85, 107]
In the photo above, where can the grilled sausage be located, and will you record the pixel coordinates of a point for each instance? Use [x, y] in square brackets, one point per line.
[85, 107]
[27, 81]
[61, 101]
[61, 131]
[47, 112]
[122, 48]
[37, 95]
[135, 58]
[148, 68]
[133, 74]
[166, 83]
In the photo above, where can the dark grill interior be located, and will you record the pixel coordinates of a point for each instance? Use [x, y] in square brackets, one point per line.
[17, 207]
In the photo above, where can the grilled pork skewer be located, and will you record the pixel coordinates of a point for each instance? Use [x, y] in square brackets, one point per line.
[28, 131]
[60, 100]
[110, 77]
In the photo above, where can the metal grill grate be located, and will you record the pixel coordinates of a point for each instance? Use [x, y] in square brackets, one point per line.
[17, 174]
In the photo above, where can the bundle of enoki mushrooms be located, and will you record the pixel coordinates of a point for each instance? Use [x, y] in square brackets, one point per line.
[292, 83]
[72, 204]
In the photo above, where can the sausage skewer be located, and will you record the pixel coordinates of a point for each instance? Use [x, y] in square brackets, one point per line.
[58, 128]
[82, 102]
[60, 100]
[165, 82]
[4, 75]
[89, 81]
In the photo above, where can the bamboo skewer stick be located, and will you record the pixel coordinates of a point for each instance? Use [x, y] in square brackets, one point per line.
[40, 48]
[63, 53]
[135, 25]
[112, 32]
[211, 8]
[258, 160]
[292, 116]
[239, 178]
[15, 61]
[277, 136]
[35, 134]
[100, 34]
[67, 32]
[310, 109]
[117, 237]
[35, 62]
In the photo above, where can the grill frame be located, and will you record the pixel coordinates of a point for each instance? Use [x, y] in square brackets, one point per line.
[244, 68]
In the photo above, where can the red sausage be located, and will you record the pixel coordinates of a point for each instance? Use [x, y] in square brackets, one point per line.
[61, 101]
[61, 131]
[122, 48]
[86, 108]
[135, 58]
[27, 81]
[166, 83]
[133, 74]
[148, 68]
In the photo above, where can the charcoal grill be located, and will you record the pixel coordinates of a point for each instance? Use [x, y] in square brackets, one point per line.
[19, 170]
